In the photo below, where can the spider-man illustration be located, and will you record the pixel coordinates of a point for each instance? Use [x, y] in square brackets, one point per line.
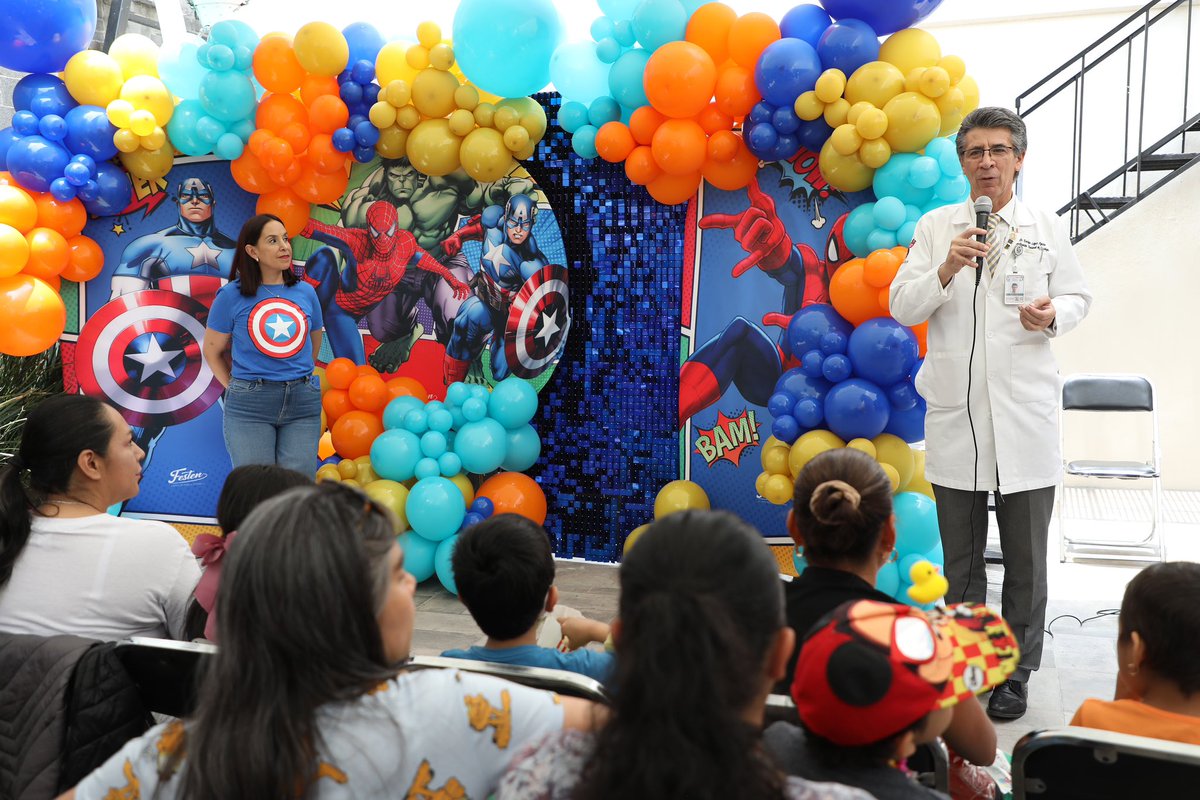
[376, 261]
[743, 354]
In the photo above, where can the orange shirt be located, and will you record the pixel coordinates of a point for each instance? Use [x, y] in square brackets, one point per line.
[1139, 719]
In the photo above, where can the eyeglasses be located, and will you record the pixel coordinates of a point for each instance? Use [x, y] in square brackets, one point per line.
[997, 152]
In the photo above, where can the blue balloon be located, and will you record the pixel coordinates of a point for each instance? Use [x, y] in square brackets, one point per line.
[618, 9]
[504, 46]
[343, 140]
[761, 140]
[233, 33]
[952, 189]
[42, 35]
[848, 44]
[366, 134]
[228, 96]
[808, 413]
[880, 239]
[364, 40]
[457, 392]
[355, 120]
[229, 146]
[351, 93]
[7, 138]
[813, 134]
[395, 453]
[583, 141]
[786, 69]
[906, 234]
[90, 133]
[781, 404]
[608, 50]
[220, 58]
[806, 23]
[435, 508]
[924, 172]
[798, 560]
[443, 562]
[53, 127]
[370, 94]
[471, 519]
[762, 112]
[433, 444]
[419, 555]
[25, 123]
[35, 162]
[76, 174]
[800, 386]
[786, 147]
[855, 409]
[834, 341]
[42, 94]
[483, 506]
[113, 191]
[416, 421]
[625, 78]
[902, 396]
[883, 351]
[182, 128]
[209, 129]
[481, 445]
[578, 73]
[836, 368]
[523, 446]
[62, 190]
[785, 429]
[884, 17]
[811, 362]
[916, 525]
[513, 402]
[656, 22]
[440, 419]
[909, 425]
[602, 28]
[572, 116]
[811, 324]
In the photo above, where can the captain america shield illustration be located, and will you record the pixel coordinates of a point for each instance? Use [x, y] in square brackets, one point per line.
[141, 351]
[537, 322]
[278, 327]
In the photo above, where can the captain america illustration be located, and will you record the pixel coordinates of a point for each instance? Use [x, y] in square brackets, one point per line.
[511, 257]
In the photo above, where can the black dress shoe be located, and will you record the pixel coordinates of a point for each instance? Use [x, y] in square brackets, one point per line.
[1008, 701]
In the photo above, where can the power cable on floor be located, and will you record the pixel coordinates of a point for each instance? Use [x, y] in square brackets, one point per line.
[1104, 612]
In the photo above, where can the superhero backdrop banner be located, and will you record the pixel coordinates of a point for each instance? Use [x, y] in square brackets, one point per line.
[753, 258]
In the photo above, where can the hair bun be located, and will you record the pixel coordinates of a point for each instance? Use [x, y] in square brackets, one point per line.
[834, 502]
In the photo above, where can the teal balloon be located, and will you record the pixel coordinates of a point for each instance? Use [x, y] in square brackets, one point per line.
[397, 410]
[427, 468]
[513, 402]
[798, 561]
[916, 524]
[419, 555]
[578, 73]
[229, 146]
[618, 9]
[435, 508]
[228, 96]
[449, 464]
[443, 562]
[656, 22]
[523, 448]
[481, 445]
[395, 453]
[887, 580]
[583, 141]
[625, 78]
[505, 46]
[858, 227]
[233, 33]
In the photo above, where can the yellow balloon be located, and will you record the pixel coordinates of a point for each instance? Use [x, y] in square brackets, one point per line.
[516, 138]
[830, 85]
[918, 482]
[875, 82]
[14, 250]
[149, 164]
[366, 472]
[351, 482]
[417, 57]
[872, 123]
[895, 451]
[910, 48]
[913, 121]
[408, 118]
[433, 92]
[392, 496]
[970, 90]
[429, 34]
[506, 117]
[484, 114]
[772, 442]
[118, 112]
[808, 106]
[328, 472]
[527, 153]
[912, 81]
[810, 445]
[679, 496]
[777, 489]
[17, 208]
[846, 173]
[465, 486]
[874, 153]
[836, 112]
[633, 536]
[93, 78]
[486, 97]
[892, 475]
[484, 156]
[126, 140]
[137, 55]
[845, 139]
[934, 82]
[462, 122]
[864, 445]
[382, 114]
[533, 116]
[348, 468]
[775, 461]
[952, 107]
[466, 97]
[760, 483]
[145, 93]
[321, 49]
[393, 142]
[391, 65]
[142, 122]
[955, 67]
[441, 56]
[398, 93]
[155, 139]
[433, 148]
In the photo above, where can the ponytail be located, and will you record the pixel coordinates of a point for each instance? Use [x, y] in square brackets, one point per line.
[15, 522]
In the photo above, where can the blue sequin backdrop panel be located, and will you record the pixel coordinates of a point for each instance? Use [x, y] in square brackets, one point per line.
[608, 414]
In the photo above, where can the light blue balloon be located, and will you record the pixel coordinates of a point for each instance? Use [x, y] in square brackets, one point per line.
[924, 172]
[416, 421]
[948, 159]
[858, 226]
[624, 34]
[937, 147]
[889, 213]
[179, 69]
[880, 239]
[656, 22]
[625, 78]
[443, 562]
[458, 391]
[228, 96]
[440, 420]
[395, 453]
[602, 28]
[583, 141]
[907, 232]
[603, 110]
[427, 468]
[504, 46]
[513, 402]
[449, 464]
[364, 40]
[474, 409]
[229, 146]
[572, 116]
[481, 445]
[397, 410]
[433, 444]
[435, 508]
[937, 556]
[182, 128]
[419, 555]
[578, 73]
[916, 524]
[887, 580]
[608, 50]
[232, 33]
[618, 9]
[905, 565]
[952, 189]
[523, 448]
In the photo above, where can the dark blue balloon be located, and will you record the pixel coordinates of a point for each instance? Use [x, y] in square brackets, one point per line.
[795, 383]
[7, 137]
[370, 94]
[836, 368]
[88, 162]
[884, 17]
[483, 506]
[785, 147]
[35, 162]
[62, 190]
[813, 133]
[42, 94]
[88, 192]
[343, 76]
[908, 425]
[811, 324]
[856, 409]
[113, 191]
[784, 120]
[835, 341]
[761, 112]
[471, 519]
[366, 134]
[354, 120]
[364, 153]
[781, 404]
[41, 36]
[786, 69]
[785, 429]
[848, 44]
[912, 376]
[810, 363]
[25, 123]
[805, 22]
[351, 93]
[809, 413]
[883, 351]
[89, 132]
[76, 174]
[761, 140]
[363, 72]
[53, 127]
[343, 140]
[902, 396]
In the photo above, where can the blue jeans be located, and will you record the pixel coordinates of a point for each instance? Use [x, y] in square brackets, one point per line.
[271, 422]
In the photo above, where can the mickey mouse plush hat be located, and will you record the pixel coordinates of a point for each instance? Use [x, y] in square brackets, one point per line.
[875, 669]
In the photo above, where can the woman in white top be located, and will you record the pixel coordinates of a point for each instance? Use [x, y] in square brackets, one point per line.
[66, 565]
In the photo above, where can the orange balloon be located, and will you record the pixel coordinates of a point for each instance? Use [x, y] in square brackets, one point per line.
[733, 173]
[288, 176]
[341, 372]
[276, 111]
[33, 313]
[48, 253]
[296, 135]
[249, 173]
[315, 86]
[680, 78]
[323, 156]
[855, 299]
[278, 155]
[880, 267]
[66, 218]
[335, 403]
[736, 93]
[318, 187]
[258, 142]
[404, 386]
[85, 261]
[17, 208]
[515, 493]
[327, 113]
[367, 369]
[276, 65]
[369, 393]
[679, 146]
[640, 166]
[723, 145]
[709, 27]
[614, 141]
[54, 282]
[354, 432]
[291, 210]
[749, 35]
[6, 179]
[713, 119]
[674, 189]
[922, 332]
[643, 122]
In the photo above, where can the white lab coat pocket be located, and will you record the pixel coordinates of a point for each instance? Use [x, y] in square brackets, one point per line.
[1034, 373]
[942, 379]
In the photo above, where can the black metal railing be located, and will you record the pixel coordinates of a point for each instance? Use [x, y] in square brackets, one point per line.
[1129, 88]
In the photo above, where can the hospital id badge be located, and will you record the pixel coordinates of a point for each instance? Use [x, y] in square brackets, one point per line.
[1014, 289]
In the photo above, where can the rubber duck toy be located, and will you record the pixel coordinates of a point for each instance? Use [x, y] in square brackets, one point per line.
[929, 585]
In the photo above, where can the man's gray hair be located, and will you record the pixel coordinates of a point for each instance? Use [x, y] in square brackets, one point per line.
[993, 117]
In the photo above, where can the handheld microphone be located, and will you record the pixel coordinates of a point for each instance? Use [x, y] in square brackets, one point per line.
[983, 209]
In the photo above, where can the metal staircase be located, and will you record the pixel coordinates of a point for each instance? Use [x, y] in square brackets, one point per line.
[1133, 82]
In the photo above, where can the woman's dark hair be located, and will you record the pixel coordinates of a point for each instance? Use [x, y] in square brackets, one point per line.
[245, 268]
[56, 432]
[842, 500]
[701, 604]
[836, 757]
[297, 609]
[504, 568]
[1162, 603]
[249, 485]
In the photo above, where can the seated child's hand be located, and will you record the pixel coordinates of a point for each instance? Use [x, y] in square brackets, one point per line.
[581, 631]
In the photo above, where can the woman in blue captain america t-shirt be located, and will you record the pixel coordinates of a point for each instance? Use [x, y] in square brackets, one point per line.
[272, 398]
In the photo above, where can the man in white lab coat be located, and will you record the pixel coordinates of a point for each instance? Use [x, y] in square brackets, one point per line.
[989, 378]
